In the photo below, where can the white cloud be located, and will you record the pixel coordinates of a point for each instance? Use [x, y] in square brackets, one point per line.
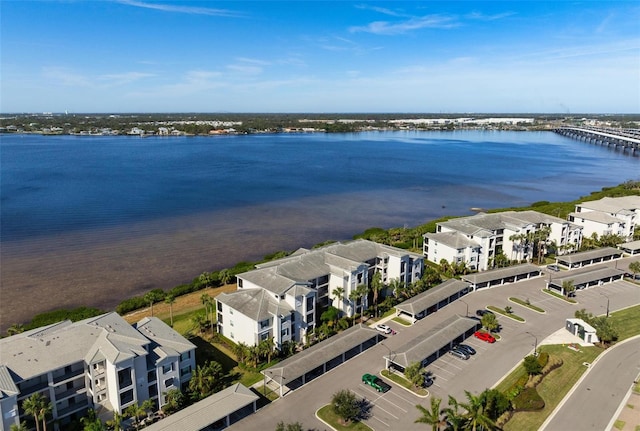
[417, 23]
[123, 78]
[182, 9]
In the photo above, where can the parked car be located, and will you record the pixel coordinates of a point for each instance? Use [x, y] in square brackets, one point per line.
[428, 380]
[385, 329]
[554, 268]
[375, 382]
[482, 312]
[484, 336]
[459, 354]
[465, 348]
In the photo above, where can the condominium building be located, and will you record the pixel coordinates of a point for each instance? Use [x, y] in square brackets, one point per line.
[608, 216]
[102, 363]
[478, 239]
[283, 299]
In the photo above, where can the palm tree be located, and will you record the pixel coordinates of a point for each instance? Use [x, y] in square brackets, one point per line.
[338, 293]
[452, 416]
[18, 328]
[22, 426]
[151, 298]
[37, 406]
[198, 321]
[91, 422]
[116, 422]
[135, 411]
[225, 276]
[398, 288]
[170, 299]
[568, 287]
[205, 278]
[205, 379]
[430, 416]
[376, 287]
[634, 267]
[476, 417]
[267, 347]
[206, 301]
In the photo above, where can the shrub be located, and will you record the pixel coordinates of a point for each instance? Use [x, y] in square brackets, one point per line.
[527, 400]
[543, 359]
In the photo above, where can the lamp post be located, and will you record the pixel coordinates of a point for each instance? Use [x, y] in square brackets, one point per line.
[388, 357]
[607, 302]
[535, 346]
[466, 314]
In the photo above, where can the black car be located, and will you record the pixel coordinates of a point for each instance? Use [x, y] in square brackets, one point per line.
[428, 380]
[482, 312]
[465, 348]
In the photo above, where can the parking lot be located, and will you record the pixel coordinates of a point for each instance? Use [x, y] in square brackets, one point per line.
[395, 409]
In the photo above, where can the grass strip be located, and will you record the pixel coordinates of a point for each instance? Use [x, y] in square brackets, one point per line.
[557, 295]
[504, 313]
[402, 381]
[553, 387]
[526, 304]
[401, 321]
[327, 415]
[627, 322]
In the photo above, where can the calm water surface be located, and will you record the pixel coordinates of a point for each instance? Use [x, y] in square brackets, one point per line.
[92, 220]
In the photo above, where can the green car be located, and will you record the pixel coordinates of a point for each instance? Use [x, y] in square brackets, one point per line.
[375, 382]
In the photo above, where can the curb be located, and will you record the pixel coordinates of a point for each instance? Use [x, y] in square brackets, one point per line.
[575, 386]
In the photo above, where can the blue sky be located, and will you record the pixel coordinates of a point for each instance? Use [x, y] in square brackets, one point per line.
[313, 56]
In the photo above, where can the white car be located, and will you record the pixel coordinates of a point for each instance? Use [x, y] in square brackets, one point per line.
[384, 329]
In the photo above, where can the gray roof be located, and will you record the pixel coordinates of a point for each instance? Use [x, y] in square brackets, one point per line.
[492, 222]
[38, 351]
[632, 245]
[168, 343]
[208, 411]
[500, 273]
[589, 255]
[595, 216]
[304, 265]
[453, 239]
[432, 296]
[7, 386]
[623, 204]
[587, 275]
[318, 354]
[256, 304]
[433, 340]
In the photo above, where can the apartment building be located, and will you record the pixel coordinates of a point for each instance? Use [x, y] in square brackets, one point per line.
[284, 298]
[476, 240]
[102, 363]
[608, 216]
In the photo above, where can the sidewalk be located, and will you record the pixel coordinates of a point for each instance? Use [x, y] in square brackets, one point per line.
[628, 418]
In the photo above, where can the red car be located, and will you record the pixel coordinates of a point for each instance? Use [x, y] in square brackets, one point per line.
[484, 336]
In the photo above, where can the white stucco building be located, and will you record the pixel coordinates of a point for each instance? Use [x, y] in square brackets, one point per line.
[608, 216]
[103, 363]
[478, 239]
[283, 299]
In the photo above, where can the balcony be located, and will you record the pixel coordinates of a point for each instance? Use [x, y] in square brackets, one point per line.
[68, 375]
[73, 408]
[71, 392]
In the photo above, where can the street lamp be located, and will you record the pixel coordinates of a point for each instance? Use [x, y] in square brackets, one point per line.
[466, 314]
[535, 346]
[607, 302]
[388, 357]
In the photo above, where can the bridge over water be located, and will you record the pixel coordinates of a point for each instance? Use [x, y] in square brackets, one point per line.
[625, 139]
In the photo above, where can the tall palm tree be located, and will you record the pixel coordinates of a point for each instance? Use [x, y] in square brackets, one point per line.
[430, 416]
[116, 422]
[38, 407]
[198, 321]
[22, 426]
[170, 299]
[205, 379]
[135, 411]
[452, 415]
[476, 417]
[206, 301]
[362, 291]
[338, 293]
[376, 287]
[398, 288]
[205, 278]
[225, 276]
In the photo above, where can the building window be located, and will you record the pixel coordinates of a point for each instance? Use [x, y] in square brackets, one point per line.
[264, 336]
[186, 370]
[240, 283]
[309, 317]
[264, 324]
[168, 383]
[167, 368]
[230, 322]
[185, 356]
[310, 303]
[219, 306]
[124, 378]
[220, 321]
[126, 397]
[285, 332]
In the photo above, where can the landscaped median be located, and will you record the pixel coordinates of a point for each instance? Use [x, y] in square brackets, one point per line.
[402, 381]
[557, 295]
[329, 417]
[503, 312]
[527, 304]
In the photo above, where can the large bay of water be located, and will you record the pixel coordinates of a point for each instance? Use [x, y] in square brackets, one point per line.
[93, 220]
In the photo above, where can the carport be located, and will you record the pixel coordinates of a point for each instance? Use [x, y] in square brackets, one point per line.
[585, 279]
[215, 412]
[498, 277]
[430, 345]
[578, 260]
[433, 299]
[631, 248]
[305, 366]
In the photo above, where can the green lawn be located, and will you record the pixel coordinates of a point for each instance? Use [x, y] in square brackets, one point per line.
[326, 414]
[559, 296]
[402, 381]
[505, 314]
[554, 386]
[525, 304]
[627, 322]
[401, 321]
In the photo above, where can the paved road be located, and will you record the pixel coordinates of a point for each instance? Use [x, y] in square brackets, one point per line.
[596, 398]
[396, 410]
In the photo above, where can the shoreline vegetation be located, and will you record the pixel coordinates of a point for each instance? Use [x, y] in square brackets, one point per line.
[223, 280]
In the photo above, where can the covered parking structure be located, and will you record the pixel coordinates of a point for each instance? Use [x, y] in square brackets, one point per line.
[216, 412]
[305, 366]
[585, 279]
[578, 260]
[433, 299]
[631, 248]
[498, 277]
[432, 344]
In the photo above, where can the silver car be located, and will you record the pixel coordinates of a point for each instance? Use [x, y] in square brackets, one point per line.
[459, 354]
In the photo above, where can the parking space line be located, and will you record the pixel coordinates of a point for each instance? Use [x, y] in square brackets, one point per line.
[379, 420]
[440, 377]
[395, 405]
[388, 412]
[399, 396]
[450, 372]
